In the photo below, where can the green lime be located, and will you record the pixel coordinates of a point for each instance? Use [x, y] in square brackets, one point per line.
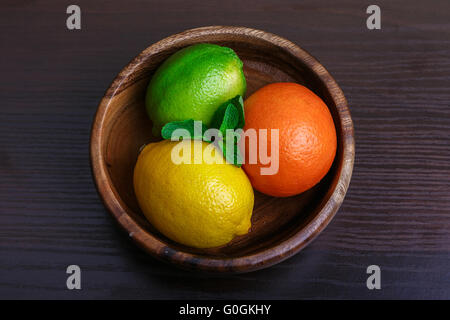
[193, 83]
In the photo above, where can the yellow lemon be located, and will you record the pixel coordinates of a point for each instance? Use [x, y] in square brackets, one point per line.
[201, 202]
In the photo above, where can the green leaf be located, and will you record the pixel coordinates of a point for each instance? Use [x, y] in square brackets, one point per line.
[229, 115]
[218, 116]
[233, 157]
[238, 102]
[190, 129]
[230, 119]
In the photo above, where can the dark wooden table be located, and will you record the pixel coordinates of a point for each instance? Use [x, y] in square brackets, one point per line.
[396, 213]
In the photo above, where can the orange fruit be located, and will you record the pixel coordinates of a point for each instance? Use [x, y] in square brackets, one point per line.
[307, 138]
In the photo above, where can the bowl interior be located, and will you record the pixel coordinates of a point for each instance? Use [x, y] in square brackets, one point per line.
[128, 128]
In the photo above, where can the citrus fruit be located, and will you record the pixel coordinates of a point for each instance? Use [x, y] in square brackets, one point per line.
[307, 138]
[193, 83]
[200, 205]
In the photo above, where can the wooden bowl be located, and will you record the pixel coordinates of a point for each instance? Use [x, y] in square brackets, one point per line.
[280, 226]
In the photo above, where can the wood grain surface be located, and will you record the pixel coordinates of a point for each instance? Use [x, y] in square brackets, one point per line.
[397, 210]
